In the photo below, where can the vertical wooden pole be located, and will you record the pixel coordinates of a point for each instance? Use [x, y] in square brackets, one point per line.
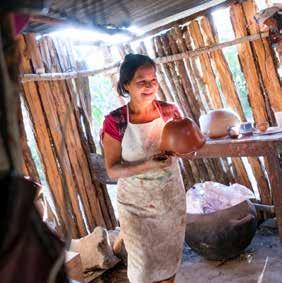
[264, 57]
[248, 65]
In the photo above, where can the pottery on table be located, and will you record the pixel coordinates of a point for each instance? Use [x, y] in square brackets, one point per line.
[216, 123]
[262, 127]
[181, 136]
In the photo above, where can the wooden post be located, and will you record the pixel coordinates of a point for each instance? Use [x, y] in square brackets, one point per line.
[29, 165]
[175, 79]
[207, 71]
[69, 117]
[195, 70]
[42, 138]
[184, 77]
[264, 57]
[275, 176]
[248, 65]
[94, 195]
[224, 73]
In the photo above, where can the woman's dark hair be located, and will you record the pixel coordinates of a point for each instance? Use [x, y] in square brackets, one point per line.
[128, 68]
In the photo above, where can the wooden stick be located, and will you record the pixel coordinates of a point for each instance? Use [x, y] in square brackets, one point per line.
[209, 77]
[175, 38]
[264, 57]
[248, 65]
[224, 73]
[165, 59]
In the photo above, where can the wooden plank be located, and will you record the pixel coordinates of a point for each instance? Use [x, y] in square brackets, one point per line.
[72, 139]
[42, 138]
[195, 70]
[264, 56]
[239, 149]
[248, 65]
[224, 73]
[186, 170]
[181, 93]
[115, 67]
[80, 161]
[34, 53]
[170, 73]
[263, 187]
[207, 71]
[183, 42]
[29, 165]
[241, 175]
[67, 144]
[89, 187]
[91, 191]
[174, 37]
[275, 177]
[74, 266]
[58, 118]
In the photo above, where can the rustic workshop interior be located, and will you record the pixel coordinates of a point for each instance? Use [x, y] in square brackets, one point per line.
[219, 61]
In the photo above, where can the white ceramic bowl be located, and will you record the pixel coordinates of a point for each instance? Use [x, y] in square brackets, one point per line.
[216, 123]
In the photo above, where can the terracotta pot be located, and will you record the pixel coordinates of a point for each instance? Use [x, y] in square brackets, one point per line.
[181, 136]
[222, 234]
[217, 123]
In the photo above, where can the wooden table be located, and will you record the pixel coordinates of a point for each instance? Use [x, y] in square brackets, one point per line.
[269, 146]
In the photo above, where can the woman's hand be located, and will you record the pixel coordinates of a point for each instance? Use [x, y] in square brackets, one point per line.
[158, 161]
[117, 169]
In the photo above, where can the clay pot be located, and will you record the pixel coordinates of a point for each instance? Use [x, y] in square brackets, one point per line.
[223, 234]
[262, 127]
[217, 123]
[181, 136]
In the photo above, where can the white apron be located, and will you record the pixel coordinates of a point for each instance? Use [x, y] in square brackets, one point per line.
[151, 207]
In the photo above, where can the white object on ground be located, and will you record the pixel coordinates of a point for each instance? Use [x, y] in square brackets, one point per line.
[209, 197]
[95, 250]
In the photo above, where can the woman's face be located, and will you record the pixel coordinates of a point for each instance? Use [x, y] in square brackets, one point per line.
[144, 85]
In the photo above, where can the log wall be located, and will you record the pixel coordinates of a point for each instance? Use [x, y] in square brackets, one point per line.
[61, 119]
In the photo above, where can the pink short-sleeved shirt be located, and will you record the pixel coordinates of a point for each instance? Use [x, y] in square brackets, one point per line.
[115, 122]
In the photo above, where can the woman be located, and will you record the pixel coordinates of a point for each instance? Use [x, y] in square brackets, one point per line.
[151, 195]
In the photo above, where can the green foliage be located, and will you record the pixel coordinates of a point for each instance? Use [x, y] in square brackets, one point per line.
[103, 100]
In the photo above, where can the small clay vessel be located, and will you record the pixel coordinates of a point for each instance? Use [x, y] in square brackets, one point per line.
[181, 136]
[262, 127]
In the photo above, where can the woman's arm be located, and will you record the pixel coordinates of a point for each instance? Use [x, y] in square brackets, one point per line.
[116, 169]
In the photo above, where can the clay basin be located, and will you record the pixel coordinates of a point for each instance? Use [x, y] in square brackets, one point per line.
[223, 234]
[181, 136]
[217, 123]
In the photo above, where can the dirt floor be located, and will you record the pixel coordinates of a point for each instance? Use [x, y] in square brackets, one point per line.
[261, 263]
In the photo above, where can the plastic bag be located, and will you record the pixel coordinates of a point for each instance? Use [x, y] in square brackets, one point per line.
[209, 197]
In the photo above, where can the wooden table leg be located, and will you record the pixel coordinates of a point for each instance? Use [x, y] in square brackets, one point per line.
[275, 177]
